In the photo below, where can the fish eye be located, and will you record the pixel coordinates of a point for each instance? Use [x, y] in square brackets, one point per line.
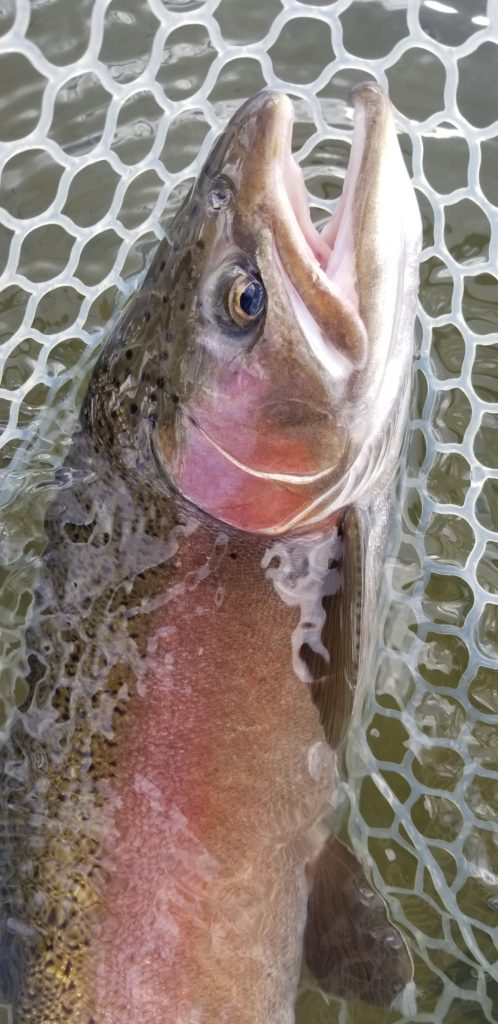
[246, 300]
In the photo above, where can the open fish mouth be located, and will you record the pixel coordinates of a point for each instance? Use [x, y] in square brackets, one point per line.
[331, 274]
[319, 265]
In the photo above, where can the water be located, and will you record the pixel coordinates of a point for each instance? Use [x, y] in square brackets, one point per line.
[96, 157]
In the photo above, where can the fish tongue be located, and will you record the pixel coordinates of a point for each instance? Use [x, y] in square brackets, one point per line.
[350, 945]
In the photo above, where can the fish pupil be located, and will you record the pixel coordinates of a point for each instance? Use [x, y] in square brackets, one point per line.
[252, 299]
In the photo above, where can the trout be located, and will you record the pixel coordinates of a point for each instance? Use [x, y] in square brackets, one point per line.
[203, 608]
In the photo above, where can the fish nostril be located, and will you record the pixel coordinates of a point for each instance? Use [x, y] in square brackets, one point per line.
[220, 194]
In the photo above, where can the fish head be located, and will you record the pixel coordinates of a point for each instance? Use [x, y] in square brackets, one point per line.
[288, 349]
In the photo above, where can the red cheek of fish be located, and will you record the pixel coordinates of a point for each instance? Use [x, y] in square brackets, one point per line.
[230, 493]
[250, 419]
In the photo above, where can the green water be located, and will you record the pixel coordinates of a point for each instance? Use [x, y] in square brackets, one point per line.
[423, 763]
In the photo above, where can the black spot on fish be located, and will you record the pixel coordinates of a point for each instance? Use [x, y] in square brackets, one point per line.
[133, 408]
[129, 353]
[233, 554]
[182, 306]
[174, 398]
[165, 298]
[146, 316]
[200, 244]
[162, 265]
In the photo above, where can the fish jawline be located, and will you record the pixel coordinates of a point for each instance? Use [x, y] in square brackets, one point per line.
[287, 478]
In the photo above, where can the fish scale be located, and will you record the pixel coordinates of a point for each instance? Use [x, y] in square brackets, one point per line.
[69, 860]
[80, 741]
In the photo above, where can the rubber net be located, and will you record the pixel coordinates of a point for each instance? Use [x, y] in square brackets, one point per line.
[107, 108]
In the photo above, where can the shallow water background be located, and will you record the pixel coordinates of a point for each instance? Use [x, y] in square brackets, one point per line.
[106, 109]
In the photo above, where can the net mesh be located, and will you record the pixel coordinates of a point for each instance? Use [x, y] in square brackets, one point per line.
[107, 108]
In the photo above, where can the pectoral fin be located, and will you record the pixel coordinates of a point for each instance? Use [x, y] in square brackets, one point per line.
[350, 945]
[334, 680]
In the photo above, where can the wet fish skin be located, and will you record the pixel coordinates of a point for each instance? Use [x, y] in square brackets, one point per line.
[168, 721]
[90, 783]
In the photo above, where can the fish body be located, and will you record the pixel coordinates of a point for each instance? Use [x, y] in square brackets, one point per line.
[197, 633]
